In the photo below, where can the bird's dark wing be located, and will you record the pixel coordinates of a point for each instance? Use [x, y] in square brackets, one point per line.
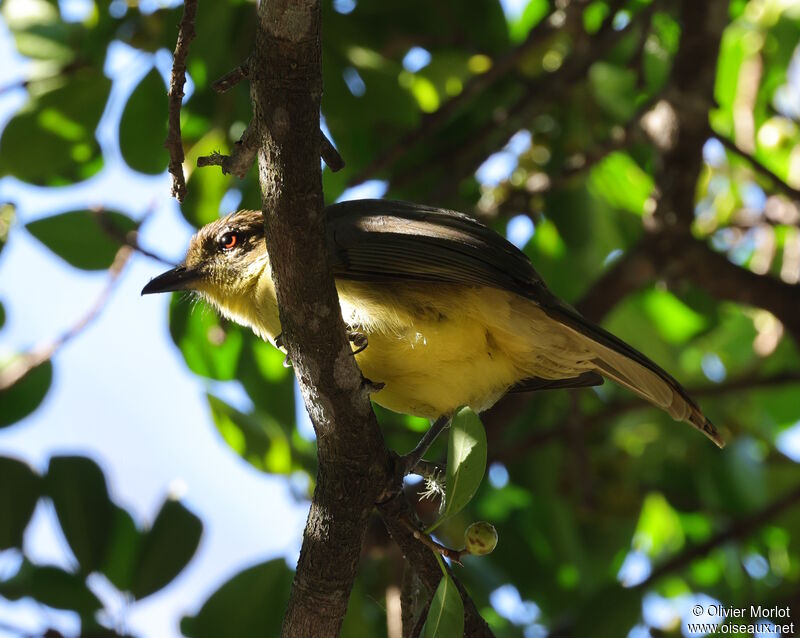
[585, 380]
[383, 240]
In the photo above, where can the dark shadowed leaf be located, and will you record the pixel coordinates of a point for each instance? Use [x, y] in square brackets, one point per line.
[166, 548]
[20, 488]
[50, 586]
[25, 395]
[251, 603]
[143, 127]
[81, 238]
[123, 550]
[446, 613]
[86, 514]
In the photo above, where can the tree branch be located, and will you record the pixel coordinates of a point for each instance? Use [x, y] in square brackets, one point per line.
[354, 465]
[476, 84]
[241, 158]
[395, 513]
[725, 280]
[19, 367]
[739, 529]
[174, 143]
[760, 168]
[679, 125]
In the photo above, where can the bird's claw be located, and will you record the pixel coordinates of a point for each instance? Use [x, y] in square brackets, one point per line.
[359, 340]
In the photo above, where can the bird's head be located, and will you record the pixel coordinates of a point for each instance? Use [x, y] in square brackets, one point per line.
[224, 263]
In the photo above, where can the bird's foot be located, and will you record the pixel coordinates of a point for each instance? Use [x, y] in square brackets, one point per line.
[370, 386]
[359, 340]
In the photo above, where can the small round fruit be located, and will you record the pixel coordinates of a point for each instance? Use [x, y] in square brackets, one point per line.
[480, 538]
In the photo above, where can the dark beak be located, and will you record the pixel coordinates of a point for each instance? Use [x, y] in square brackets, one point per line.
[179, 278]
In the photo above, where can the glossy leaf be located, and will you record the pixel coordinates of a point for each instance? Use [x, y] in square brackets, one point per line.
[254, 437]
[25, 395]
[252, 603]
[52, 141]
[81, 238]
[210, 346]
[143, 127]
[166, 548]
[20, 488]
[85, 512]
[466, 460]
[446, 614]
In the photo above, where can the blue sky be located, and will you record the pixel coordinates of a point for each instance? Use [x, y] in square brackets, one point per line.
[121, 392]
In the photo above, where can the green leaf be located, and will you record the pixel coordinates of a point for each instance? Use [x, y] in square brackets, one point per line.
[255, 437]
[85, 512]
[251, 603]
[80, 238]
[122, 553]
[7, 215]
[143, 127]
[676, 322]
[614, 89]
[51, 141]
[267, 381]
[446, 613]
[166, 548]
[466, 461]
[620, 182]
[51, 586]
[210, 347]
[20, 488]
[2, 313]
[25, 395]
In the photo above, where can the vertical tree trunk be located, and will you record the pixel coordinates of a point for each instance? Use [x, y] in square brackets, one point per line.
[353, 460]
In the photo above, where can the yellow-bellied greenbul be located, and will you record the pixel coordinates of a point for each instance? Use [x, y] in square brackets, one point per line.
[453, 314]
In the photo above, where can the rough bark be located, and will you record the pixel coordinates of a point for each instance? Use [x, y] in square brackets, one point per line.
[353, 460]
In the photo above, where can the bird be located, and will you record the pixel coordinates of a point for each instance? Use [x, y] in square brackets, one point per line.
[442, 311]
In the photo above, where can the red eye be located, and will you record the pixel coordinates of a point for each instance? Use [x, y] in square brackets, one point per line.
[228, 240]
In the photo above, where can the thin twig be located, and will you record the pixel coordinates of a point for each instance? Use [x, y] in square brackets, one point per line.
[130, 238]
[240, 160]
[328, 151]
[174, 143]
[760, 168]
[38, 355]
[494, 133]
[329, 154]
[738, 529]
[477, 84]
[232, 78]
[425, 539]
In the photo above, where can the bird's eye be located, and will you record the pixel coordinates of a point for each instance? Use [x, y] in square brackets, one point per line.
[228, 240]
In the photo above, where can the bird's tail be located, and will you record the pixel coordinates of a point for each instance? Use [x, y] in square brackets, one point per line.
[618, 361]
